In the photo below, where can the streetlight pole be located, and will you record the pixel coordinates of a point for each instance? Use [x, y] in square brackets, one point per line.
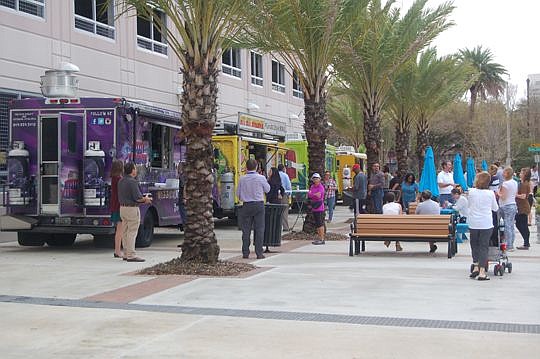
[508, 129]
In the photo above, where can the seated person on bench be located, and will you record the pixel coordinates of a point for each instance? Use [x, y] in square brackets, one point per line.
[391, 207]
[428, 206]
[461, 205]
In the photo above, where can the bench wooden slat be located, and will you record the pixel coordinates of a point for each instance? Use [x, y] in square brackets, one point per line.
[400, 235]
[386, 226]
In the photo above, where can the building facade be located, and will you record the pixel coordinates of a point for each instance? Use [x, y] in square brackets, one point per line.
[128, 57]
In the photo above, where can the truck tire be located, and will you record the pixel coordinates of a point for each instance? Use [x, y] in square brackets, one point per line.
[145, 236]
[104, 240]
[31, 239]
[61, 240]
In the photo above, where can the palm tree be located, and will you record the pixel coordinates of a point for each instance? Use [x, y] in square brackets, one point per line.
[196, 31]
[376, 52]
[306, 34]
[489, 81]
[345, 115]
[400, 107]
[439, 82]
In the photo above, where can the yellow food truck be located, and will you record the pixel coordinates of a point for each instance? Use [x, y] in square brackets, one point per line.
[234, 143]
[346, 158]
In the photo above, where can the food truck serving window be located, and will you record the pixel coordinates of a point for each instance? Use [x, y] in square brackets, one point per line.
[160, 146]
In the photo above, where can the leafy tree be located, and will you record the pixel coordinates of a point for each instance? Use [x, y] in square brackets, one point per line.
[346, 117]
[306, 34]
[196, 31]
[377, 50]
[488, 80]
[440, 82]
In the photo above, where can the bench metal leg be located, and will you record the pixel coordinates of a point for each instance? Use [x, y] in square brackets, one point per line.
[363, 246]
[450, 249]
[357, 246]
[351, 247]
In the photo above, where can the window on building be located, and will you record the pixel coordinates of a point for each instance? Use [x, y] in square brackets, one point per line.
[95, 16]
[32, 7]
[278, 76]
[297, 90]
[148, 35]
[256, 69]
[231, 63]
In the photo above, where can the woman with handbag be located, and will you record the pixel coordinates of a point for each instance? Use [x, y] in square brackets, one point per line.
[316, 198]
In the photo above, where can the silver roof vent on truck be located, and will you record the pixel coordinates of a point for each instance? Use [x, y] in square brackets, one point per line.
[60, 82]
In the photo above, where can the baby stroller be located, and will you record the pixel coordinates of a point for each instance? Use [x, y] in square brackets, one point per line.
[497, 254]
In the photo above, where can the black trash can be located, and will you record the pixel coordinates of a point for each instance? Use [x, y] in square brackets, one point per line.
[272, 224]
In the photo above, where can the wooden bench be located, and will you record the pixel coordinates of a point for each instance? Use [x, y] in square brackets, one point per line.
[403, 228]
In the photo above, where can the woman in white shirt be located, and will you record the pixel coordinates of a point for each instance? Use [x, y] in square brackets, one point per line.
[392, 207]
[507, 203]
[481, 202]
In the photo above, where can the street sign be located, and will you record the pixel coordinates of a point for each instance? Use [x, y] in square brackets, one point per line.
[534, 149]
[536, 158]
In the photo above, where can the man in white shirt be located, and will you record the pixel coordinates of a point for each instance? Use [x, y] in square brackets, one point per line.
[445, 180]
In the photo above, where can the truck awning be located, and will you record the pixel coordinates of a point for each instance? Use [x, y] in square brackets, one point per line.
[259, 140]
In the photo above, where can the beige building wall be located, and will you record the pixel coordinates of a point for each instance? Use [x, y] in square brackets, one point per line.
[119, 68]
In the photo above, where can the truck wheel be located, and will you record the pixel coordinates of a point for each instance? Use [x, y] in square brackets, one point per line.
[104, 241]
[31, 239]
[61, 240]
[145, 236]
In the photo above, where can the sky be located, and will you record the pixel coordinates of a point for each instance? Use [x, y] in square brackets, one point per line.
[510, 29]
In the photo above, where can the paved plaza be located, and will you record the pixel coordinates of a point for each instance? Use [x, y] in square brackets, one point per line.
[305, 301]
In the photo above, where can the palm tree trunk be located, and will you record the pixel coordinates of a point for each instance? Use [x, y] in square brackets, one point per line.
[372, 135]
[474, 96]
[403, 132]
[316, 128]
[422, 141]
[198, 119]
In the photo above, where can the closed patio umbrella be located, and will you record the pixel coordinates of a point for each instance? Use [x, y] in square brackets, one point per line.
[471, 172]
[459, 178]
[484, 165]
[429, 174]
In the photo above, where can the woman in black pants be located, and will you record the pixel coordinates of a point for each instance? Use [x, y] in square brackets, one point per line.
[524, 208]
[481, 203]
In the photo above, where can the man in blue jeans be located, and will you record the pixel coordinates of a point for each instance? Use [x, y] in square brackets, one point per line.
[375, 186]
[251, 190]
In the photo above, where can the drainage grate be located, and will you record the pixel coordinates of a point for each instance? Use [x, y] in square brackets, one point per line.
[283, 315]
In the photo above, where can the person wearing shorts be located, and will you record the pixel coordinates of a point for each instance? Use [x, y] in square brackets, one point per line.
[316, 197]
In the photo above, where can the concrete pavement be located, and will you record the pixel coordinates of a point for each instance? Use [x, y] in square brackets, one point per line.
[312, 301]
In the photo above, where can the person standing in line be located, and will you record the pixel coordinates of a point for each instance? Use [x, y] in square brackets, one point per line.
[428, 206]
[395, 186]
[286, 183]
[461, 205]
[494, 186]
[391, 207]
[130, 198]
[330, 187]
[500, 170]
[523, 207]
[316, 198]
[251, 189]
[409, 191]
[359, 188]
[276, 192]
[117, 169]
[445, 180]
[375, 187]
[508, 207]
[534, 189]
[482, 203]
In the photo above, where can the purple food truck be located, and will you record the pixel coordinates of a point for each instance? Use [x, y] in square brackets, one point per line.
[60, 163]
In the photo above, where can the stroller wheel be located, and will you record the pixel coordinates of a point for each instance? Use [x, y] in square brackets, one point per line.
[509, 267]
[501, 271]
[496, 270]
